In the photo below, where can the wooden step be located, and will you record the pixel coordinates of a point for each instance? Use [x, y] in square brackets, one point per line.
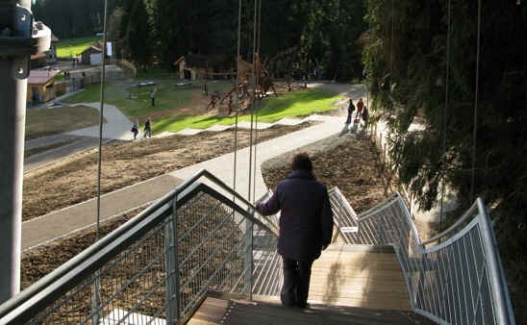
[241, 312]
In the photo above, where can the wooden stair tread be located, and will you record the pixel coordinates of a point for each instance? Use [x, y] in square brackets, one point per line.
[240, 312]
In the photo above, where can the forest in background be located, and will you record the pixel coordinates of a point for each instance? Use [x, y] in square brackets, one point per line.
[404, 47]
[296, 35]
[406, 56]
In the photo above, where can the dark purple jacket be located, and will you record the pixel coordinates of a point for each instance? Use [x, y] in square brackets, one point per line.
[306, 221]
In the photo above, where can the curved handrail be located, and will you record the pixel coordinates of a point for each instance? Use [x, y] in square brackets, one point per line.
[466, 216]
[182, 190]
[370, 212]
[420, 259]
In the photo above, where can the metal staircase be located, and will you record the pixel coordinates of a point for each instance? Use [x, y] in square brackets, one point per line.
[204, 239]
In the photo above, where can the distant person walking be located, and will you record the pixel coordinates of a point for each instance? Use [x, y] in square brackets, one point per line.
[306, 226]
[351, 108]
[153, 97]
[148, 129]
[135, 129]
[360, 106]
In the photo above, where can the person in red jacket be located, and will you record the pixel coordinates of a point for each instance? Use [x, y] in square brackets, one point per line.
[360, 106]
[306, 225]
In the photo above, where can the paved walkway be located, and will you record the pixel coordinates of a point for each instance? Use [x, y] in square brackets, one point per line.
[117, 124]
[47, 141]
[71, 219]
[77, 217]
[53, 155]
[117, 127]
[223, 166]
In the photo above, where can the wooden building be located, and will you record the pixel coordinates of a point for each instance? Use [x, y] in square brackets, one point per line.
[51, 54]
[92, 55]
[197, 66]
[41, 86]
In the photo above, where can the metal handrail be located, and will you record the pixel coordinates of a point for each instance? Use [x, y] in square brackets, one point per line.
[41, 291]
[368, 213]
[466, 216]
[459, 280]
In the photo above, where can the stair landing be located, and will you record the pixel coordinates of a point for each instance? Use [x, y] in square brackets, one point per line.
[359, 276]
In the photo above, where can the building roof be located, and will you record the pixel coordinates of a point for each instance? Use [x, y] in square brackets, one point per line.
[40, 55]
[41, 77]
[179, 60]
[94, 48]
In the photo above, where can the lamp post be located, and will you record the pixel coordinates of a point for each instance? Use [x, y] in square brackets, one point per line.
[20, 37]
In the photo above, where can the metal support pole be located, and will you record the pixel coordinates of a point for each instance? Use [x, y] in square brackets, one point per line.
[12, 122]
[19, 38]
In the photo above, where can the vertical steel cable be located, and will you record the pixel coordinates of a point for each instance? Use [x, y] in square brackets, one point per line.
[391, 40]
[253, 100]
[237, 93]
[474, 136]
[256, 112]
[449, 19]
[96, 298]
[101, 120]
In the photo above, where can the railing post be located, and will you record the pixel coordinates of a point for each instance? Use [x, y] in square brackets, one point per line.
[96, 299]
[173, 297]
[248, 261]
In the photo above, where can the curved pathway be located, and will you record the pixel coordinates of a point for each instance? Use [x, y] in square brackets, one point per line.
[69, 220]
[117, 125]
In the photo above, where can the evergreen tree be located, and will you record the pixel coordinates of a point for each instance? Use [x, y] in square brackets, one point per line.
[407, 57]
[137, 33]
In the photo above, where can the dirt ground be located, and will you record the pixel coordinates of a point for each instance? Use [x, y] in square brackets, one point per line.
[42, 260]
[349, 163]
[354, 165]
[74, 179]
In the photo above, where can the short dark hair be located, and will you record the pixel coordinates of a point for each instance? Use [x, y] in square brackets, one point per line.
[302, 161]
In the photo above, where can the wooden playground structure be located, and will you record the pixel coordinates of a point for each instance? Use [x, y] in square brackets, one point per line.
[248, 90]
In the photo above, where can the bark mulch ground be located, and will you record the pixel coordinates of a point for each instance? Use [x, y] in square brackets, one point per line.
[74, 179]
[350, 163]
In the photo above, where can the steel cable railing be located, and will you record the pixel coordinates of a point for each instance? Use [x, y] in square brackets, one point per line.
[459, 280]
[156, 268]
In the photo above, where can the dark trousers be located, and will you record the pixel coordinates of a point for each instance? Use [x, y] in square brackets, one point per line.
[296, 282]
[348, 120]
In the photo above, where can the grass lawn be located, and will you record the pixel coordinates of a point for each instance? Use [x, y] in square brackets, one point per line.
[270, 110]
[47, 121]
[135, 101]
[74, 46]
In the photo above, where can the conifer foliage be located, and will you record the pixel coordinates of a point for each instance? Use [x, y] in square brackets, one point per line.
[406, 57]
